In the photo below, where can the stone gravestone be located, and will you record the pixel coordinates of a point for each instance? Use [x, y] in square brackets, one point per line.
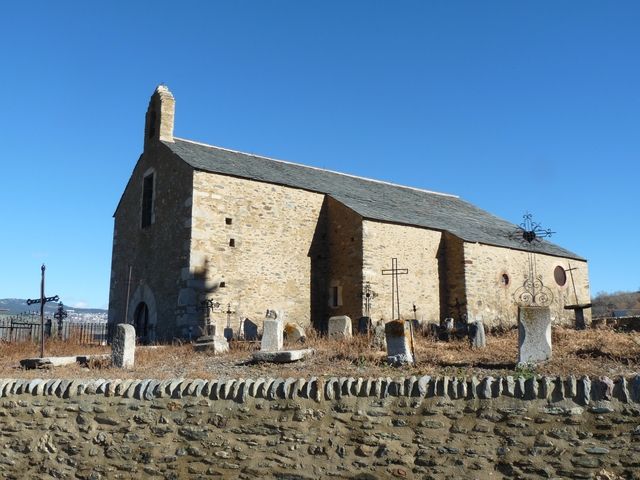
[250, 330]
[272, 335]
[123, 348]
[379, 340]
[228, 333]
[340, 327]
[212, 343]
[364, 325]
[534, 334]
[398, 338]
[294, 333]
[476, 334]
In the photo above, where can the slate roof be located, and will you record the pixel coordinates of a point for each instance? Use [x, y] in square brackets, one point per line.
[371, 199]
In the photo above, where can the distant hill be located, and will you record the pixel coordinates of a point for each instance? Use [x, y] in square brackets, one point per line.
[617, 303]
[19, 305]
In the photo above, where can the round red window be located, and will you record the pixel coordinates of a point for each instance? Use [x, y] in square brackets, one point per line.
[560, 275]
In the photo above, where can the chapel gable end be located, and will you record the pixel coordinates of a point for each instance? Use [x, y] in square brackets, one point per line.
[160, 116]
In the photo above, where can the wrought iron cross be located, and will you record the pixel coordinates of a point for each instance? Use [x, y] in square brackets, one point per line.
[368, 294]
[533, 291]
[42, 300]
[60, 315]
[395, 292]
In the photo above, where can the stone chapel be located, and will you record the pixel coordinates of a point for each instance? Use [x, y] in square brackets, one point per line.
[247, 233]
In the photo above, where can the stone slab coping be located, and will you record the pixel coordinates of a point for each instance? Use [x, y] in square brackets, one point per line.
[600, 393]
[283, 356]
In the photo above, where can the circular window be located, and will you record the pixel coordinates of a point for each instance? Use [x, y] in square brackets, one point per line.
[560, 275]
[504, 279]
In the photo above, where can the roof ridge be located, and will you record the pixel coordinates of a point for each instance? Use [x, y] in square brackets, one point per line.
[318, 168]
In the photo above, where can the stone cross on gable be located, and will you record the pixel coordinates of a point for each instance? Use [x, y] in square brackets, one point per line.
[395, 292]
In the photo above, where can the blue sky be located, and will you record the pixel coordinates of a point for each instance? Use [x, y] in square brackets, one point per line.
[514, 106]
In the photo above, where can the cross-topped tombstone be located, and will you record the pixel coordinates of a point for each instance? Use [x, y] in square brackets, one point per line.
[208, 305]
[42, 301]
[399, 340]
[533, 298]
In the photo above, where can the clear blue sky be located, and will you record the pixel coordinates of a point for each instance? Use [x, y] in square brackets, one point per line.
[514, 106]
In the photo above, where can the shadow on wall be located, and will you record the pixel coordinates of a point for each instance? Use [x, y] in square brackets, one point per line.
[319, 264]
[195, 303]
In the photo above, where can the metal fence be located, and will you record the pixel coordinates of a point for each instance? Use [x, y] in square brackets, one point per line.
[26, 328]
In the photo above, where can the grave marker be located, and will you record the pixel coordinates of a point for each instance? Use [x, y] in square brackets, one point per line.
[340, 327]
[398, 336]
[272, 335]
[123, 348]
[534, 334]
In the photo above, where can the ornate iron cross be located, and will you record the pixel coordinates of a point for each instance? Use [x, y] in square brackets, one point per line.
[533, 291]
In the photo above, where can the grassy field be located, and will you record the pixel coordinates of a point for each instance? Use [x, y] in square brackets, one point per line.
[596, 352]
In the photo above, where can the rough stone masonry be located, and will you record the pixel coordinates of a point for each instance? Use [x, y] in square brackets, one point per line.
[415, 427]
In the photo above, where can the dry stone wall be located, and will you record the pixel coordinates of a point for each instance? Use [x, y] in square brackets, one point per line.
[417, 427]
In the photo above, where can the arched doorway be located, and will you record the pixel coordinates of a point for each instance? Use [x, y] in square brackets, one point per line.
[143, 314]
[141, 322]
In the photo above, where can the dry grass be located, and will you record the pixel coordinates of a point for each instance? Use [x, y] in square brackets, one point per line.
[589, 352]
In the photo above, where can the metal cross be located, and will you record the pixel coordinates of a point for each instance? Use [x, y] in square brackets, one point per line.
[368, 294]
[395, 292]
[575, 292]
[228, 312]
[533, 290]
[60, 315]
[42, 300]
[208, 305]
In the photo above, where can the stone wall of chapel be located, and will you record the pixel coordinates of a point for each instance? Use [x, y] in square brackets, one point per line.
[157, 253]
[488, 296]
[417, 250]
[256, 238]
[344, 276]
[452, 280]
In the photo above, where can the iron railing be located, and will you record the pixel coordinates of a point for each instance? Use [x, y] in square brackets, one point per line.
[26, 328]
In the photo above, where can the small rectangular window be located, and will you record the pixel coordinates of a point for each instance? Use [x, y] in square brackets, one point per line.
[232, 242]
[147, 200]
[334, 296]
[228, 221]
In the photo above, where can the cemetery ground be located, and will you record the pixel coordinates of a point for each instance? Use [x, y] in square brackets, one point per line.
[593, 352]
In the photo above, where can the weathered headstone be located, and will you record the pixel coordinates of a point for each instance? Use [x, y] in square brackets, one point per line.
[294, 333]
[211, 343]
[476, 334]
[398, 338]
[228, 333]
[250, 330]
[340, 327]
[123, 348]
[364, 325]
[379, 340]
[272, 335]
[449, 324]
[534, 334]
